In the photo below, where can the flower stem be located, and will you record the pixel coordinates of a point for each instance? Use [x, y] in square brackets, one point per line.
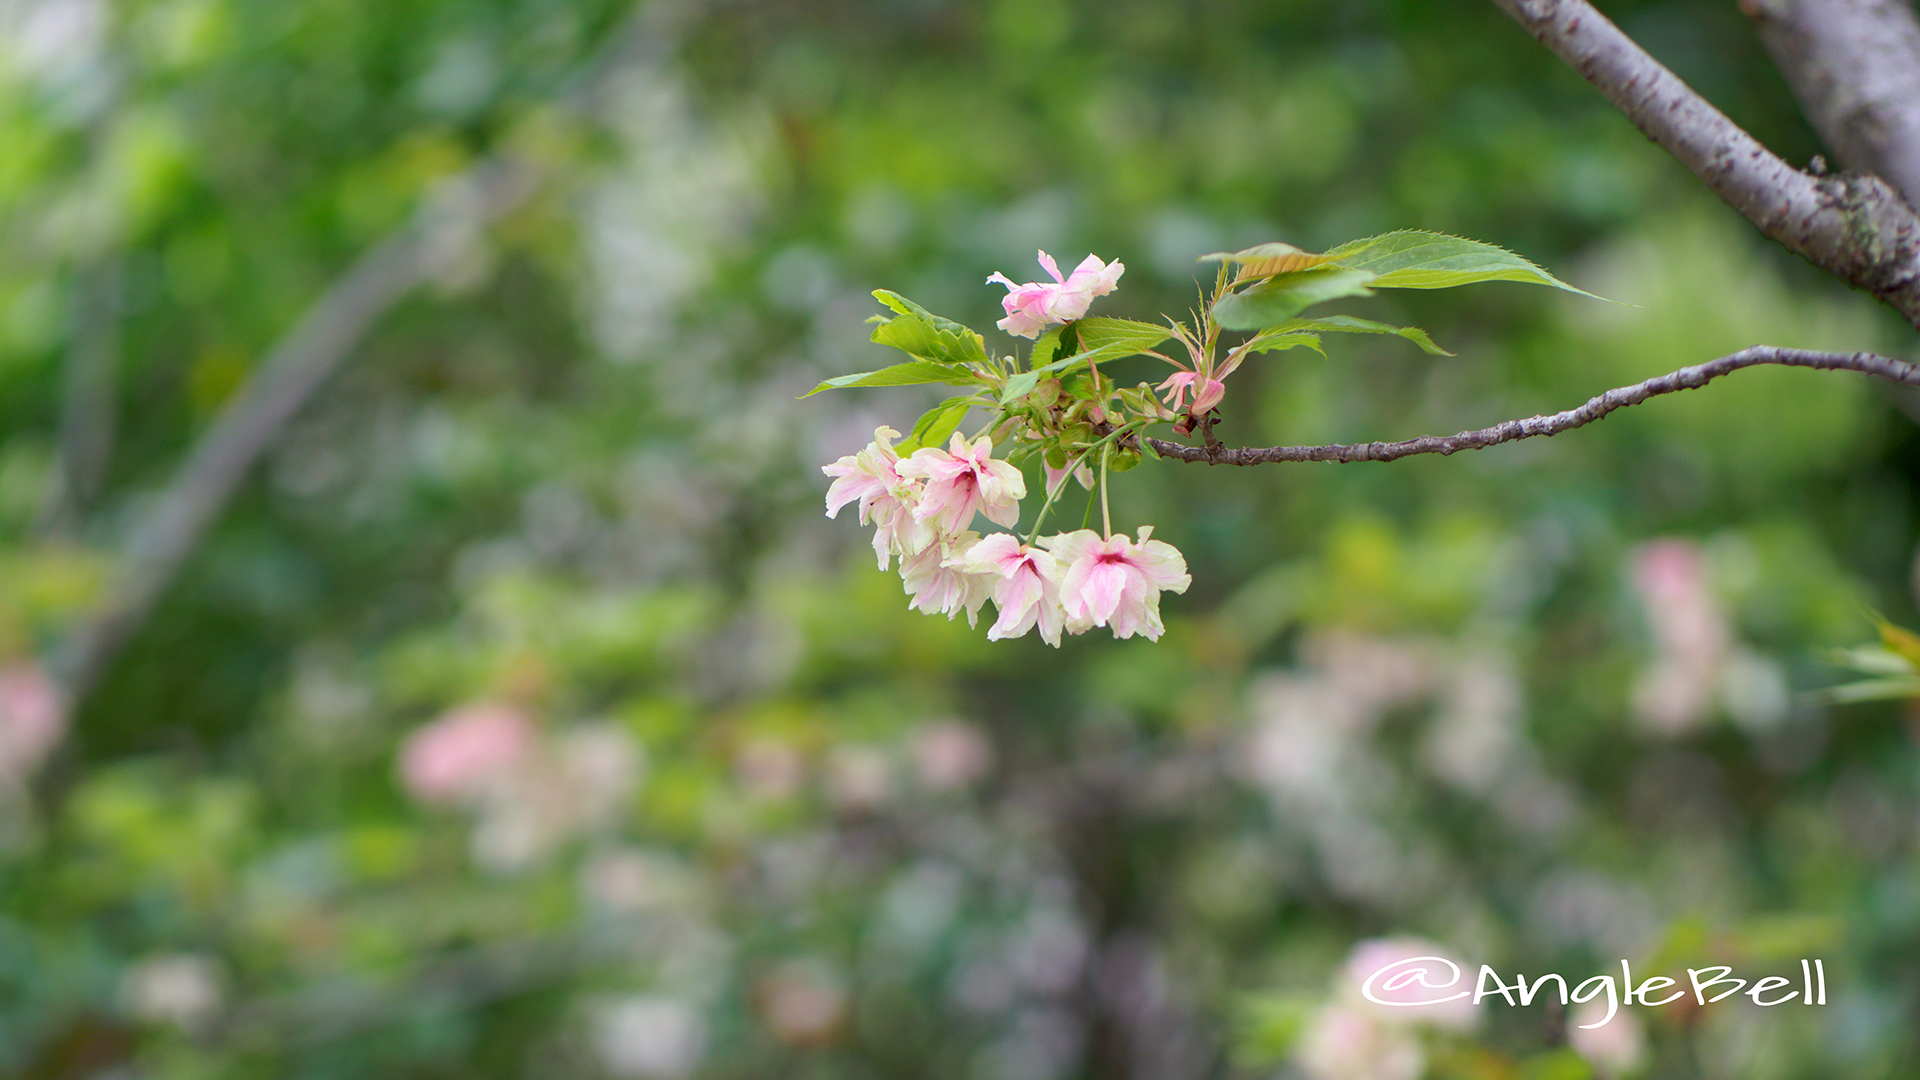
[1106, 518]
[1054, 492]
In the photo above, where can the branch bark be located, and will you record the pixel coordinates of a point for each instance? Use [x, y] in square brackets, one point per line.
[1854, 65]
[1686, 378]
[1854, 227]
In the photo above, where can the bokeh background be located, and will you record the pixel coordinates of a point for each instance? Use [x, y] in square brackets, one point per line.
[522, 716]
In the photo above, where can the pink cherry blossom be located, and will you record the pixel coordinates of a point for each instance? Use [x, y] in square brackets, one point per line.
[1206, 392]
[466, 753]
[1034, 306]
[32, 719]
[1116, 582]
[1026, 586]
[963, 480]
[887, 499]
[939, 588]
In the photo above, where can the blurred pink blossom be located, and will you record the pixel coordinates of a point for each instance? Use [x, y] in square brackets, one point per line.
[1409, 970]
[32, 719]
[1691, 637]
[962, 480]
[950, 754]
[1344, 1043]
[859, 776]
[1034, 306]
[769, 767]
[466, 753]
[1116, 582]
[1618, 1045]
[804, 1001]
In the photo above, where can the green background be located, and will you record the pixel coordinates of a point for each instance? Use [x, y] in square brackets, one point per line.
[569, 476]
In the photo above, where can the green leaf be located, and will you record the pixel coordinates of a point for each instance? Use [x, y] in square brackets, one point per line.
[937, 423]
[1265, 260]
[1022, 384]
[1899, 641]
[1347, 324]
[1045, 347]
[1135, 337]
[1283, 296]
[1414, 259]
[1019, 386]
[1889, 689]
[1271, 342]
[1872, 660]
[908, 374]
[920, 332]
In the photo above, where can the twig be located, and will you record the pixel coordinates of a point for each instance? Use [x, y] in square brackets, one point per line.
[1686, 378]
[1854, 65]
[89, 397]
[1854, 227]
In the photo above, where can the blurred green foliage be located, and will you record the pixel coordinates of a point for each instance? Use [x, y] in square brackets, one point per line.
[745, 815]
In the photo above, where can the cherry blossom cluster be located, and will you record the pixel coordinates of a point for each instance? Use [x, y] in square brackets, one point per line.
[922, 507]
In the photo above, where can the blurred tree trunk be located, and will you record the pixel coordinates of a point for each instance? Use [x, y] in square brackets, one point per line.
[1854, 65]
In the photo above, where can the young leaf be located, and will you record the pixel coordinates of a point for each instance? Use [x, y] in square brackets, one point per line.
[1891, 688]
[920, 332]
[1900, 641]
[1023, 383]
[1265, 260]
[1347, 324]
[936, 424]
[1414, 259]
[1283, 296]
[1276, 342]
[907, 374]
[1270, 340]
[1020, 386]
[1045, 347]
[1135, 337]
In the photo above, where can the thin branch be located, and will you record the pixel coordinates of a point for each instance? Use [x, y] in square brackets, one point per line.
[1854, 227]
[254, 416]
[89, 411]
[1854, 65]
[325, 336]
[1686, 378]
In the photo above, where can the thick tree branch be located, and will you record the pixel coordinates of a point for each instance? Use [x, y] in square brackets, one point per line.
[1854, 227]
[1855, 67]
[1686, 378]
